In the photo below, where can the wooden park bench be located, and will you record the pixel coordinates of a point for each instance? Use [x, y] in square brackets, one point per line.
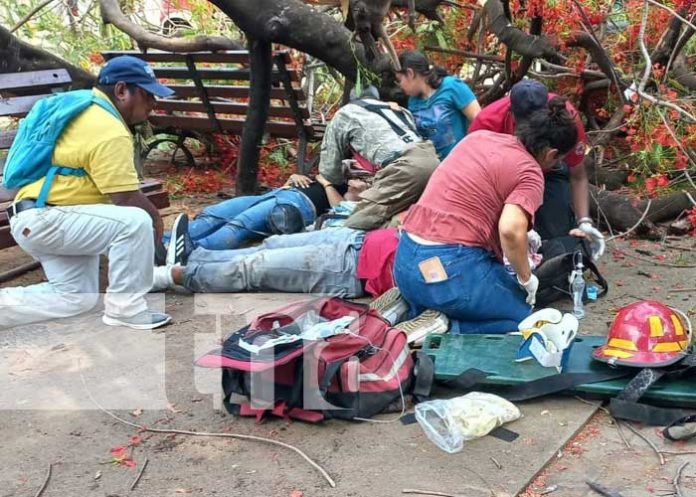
[18, 92]
[211, 92]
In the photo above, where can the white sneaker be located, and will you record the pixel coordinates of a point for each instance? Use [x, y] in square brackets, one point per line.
[391, 306]
[424, 324]
[146, 320]
[162, 278]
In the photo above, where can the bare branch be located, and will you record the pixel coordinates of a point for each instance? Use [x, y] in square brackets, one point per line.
[29, 15]
[673, 12]
[644, 49]
[112, 14]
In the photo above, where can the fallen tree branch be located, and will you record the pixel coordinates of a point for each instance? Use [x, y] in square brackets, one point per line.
[677, 477]
[45, 483]
[463, 53]
[673, 12]
[18, 56]
[644, 49]
[649, 442]
[638, 223]
[30, 14]
[140, 475]
[112, 14]
[428, 492]
[516, 39]
[655, 263]
[208, 434]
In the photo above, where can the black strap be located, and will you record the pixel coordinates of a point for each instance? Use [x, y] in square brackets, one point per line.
[678, 430]
[646, 414]
[424, 374]
[331, 371]
[466, 380]
[380, 108]
[536, 388]
[558, 383]
[626, 405]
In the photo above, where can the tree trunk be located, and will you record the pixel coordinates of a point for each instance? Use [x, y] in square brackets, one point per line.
[18, 56]
[620, 213]
[260, 67]
[297, 25]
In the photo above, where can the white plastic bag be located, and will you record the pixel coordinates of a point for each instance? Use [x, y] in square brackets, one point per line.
[449, 423]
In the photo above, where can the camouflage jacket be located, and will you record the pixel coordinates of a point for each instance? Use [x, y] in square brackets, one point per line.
[371, 134]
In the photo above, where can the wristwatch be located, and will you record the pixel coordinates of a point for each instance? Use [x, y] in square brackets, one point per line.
[585, 220]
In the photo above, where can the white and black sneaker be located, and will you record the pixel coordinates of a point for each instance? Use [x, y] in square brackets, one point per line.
[180, 245]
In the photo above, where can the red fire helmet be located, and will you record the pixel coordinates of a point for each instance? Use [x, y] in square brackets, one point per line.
[646, 334]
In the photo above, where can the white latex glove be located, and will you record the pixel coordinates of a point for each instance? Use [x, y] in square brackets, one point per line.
[530, 286]
[533, 241]
[596, 238]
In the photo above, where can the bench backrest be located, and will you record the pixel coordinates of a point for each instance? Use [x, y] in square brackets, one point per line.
[212, 89]
[19, 91]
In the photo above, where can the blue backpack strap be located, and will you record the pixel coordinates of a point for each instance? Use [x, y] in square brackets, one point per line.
[108, 106]
[71, 171]
[48, 180]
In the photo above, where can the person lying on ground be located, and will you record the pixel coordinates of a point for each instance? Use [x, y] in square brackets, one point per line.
[566, 188]
[479, 205]
[382, 136]
[95, 210]
[231, 223]
[334, 261]
[442, 105]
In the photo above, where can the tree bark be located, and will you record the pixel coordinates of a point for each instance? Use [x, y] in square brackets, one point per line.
[684, 75]
[297, 25]
[18, 56]
[620, 212]
[516, 39]
[112, 14]
[260, 67]
[600, 57]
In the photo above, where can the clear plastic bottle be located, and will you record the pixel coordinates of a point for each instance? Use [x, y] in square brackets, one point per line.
[577, 289]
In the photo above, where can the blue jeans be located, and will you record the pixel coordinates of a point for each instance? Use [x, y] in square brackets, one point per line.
[479, 296]
[323, 262]
[242, 219]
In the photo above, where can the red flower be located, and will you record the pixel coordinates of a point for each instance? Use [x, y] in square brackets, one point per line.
[136, 440]
[650, 184]
[118, 452]
[662, 181]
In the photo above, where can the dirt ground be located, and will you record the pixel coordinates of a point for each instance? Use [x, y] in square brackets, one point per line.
[53, 374]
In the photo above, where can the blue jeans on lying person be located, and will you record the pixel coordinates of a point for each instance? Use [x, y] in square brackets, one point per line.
[322, 262]
[478, 296]
[230, 223]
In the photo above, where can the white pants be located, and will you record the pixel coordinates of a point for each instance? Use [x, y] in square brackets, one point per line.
[68, 241]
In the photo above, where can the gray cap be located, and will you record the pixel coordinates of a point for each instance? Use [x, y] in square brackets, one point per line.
[369, 91]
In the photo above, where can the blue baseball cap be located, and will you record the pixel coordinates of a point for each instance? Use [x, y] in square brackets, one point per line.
[135, 71]
[527, 96]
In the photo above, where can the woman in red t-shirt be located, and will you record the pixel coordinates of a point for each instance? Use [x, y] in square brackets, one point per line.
[479, 204]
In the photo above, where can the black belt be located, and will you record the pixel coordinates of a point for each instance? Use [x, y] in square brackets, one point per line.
[22, 205]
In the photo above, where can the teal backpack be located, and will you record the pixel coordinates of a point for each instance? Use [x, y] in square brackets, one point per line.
[30, 157]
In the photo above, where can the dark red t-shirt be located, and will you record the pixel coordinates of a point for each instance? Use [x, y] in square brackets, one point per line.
[467, 192]
[498, 117]
[376, 260]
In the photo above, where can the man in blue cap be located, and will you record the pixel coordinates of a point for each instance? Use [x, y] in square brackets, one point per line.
[566, 192]
[100, 211]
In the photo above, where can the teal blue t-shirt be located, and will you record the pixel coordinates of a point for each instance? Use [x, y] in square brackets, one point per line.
[440, 118]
